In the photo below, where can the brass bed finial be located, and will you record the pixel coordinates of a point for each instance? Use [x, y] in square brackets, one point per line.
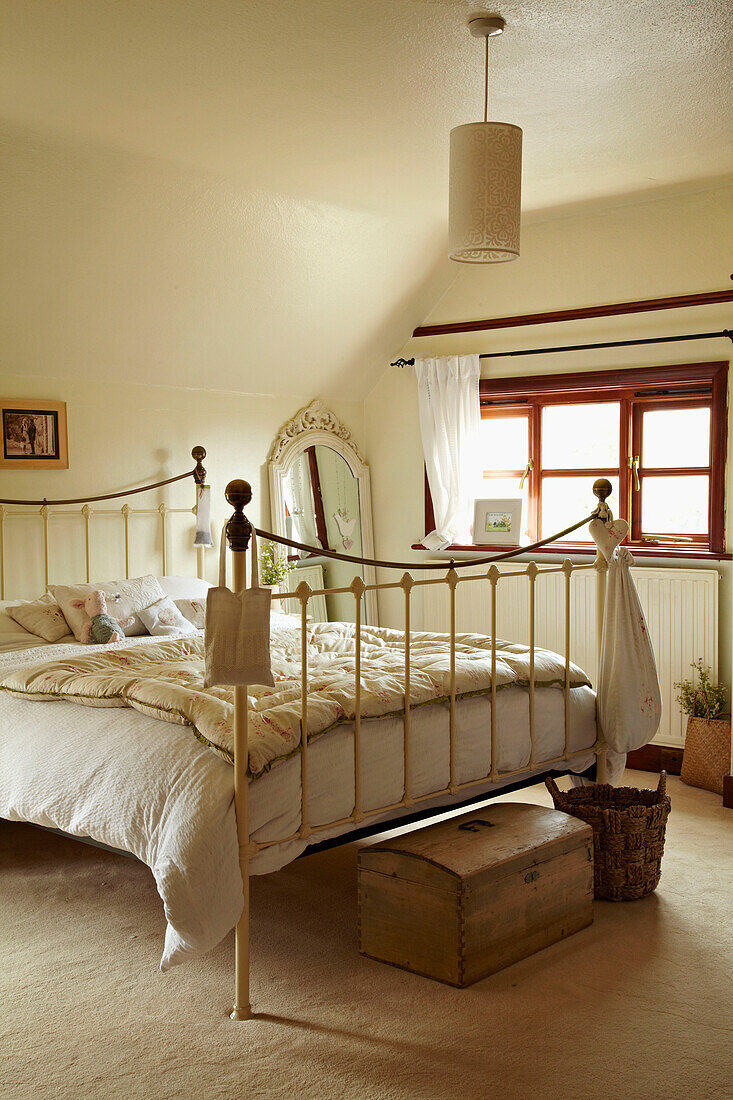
[603, 488]
[239, 529]
[198, 454]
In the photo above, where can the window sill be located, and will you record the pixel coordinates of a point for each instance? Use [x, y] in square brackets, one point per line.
[570, 549]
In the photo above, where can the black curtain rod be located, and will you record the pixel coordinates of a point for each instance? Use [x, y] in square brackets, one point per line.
[589, 347]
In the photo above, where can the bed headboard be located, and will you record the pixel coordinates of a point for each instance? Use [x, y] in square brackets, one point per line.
[71, 540]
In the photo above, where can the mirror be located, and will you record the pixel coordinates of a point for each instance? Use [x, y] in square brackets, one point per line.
[319, 495]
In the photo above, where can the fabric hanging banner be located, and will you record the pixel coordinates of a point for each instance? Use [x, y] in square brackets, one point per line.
[203, 516]
[629, 697]
[237, 633]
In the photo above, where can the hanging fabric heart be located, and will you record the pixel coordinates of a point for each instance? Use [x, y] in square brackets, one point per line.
[607, 536]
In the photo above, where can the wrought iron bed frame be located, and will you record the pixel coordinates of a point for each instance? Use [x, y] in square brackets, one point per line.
[238, 533]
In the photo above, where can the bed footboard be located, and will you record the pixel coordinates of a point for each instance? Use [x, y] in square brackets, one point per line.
[238, 533]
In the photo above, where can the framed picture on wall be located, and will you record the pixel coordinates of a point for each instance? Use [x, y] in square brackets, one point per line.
[33, 434]
[497, 522]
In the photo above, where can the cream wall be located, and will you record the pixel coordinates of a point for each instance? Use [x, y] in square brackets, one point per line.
[675, 245]
[122, 435]
[120, 266]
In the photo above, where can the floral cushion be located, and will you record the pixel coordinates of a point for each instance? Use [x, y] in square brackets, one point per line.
[163, 618]
[43, 618]
[194, 611]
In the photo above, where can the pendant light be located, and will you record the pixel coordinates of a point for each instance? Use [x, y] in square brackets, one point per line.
[485, 178]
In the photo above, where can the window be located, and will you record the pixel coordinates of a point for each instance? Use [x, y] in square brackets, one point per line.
[658, 434]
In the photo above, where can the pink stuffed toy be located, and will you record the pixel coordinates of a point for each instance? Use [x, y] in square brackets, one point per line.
[100, 627]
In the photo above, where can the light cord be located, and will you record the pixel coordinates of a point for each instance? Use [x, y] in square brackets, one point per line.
[486, 80]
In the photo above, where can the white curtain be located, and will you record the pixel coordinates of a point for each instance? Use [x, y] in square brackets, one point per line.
[629, 698]
[298, 494]
[448, 401]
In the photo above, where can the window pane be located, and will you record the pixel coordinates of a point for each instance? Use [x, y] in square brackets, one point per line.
[676, 437]
[565, 500]
[678, 505]
[504, 442]
[507, 488]
[578, 437]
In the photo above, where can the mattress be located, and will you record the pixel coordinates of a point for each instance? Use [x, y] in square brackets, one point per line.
[148, 787]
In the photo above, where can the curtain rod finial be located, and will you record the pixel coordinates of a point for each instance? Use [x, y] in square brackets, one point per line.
[403, 363]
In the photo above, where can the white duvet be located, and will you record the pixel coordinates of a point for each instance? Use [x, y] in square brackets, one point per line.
[150, 788]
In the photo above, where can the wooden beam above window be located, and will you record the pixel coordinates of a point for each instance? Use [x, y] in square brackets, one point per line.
[616, 309]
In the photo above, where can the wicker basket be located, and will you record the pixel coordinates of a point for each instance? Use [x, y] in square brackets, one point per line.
[628, 834]
[706, 758]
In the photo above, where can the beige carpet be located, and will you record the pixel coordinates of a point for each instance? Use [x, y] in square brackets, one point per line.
[638, 1005]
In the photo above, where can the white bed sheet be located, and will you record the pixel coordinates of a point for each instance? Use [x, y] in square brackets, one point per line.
[150, 788]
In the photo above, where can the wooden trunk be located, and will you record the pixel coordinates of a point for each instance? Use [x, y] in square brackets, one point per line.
[462, 899]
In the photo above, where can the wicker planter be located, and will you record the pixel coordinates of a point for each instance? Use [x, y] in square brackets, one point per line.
[706, 757]
[629, 825]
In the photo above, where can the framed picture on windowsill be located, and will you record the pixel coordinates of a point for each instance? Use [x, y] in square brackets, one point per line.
[33, 434]
[497, 522]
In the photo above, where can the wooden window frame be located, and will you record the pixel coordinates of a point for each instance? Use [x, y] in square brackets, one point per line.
[637, 390]
[638, 535]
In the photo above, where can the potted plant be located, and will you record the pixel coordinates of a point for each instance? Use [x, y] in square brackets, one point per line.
[274, 566]
[706, 757]
[701, 699]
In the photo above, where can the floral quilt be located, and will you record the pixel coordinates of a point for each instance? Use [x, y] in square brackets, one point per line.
[166, 680]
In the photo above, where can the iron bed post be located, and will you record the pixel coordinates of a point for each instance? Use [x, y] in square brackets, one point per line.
[87, 512]
[602, 489]
[600, 746]
[198, 454]
[238, 533]
[2, 552]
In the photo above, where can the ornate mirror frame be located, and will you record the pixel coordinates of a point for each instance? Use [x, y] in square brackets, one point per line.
[312, 425]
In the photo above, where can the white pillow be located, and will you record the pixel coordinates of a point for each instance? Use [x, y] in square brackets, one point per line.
[280, 621]
[163, 617]
[184, 588]
[43, 618]
[137, 593]
[194, 611]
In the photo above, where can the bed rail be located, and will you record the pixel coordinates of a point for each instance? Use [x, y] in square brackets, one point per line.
[15, 509]
[238, 533]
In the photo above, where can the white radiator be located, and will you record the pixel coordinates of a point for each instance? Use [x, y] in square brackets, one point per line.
[681, 608]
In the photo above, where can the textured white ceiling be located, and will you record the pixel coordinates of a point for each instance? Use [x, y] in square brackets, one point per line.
[309, 142]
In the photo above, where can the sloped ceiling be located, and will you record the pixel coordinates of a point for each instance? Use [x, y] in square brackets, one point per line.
[252, 195]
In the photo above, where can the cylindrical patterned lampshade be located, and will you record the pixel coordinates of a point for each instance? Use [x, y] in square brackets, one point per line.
[485, 192]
